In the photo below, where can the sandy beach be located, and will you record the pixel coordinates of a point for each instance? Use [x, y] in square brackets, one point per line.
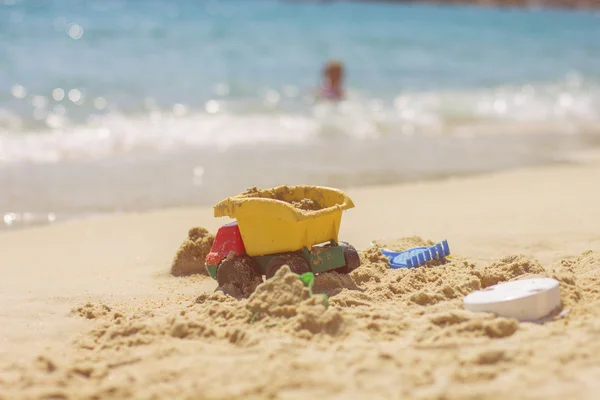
[123, 123]
[89, 309]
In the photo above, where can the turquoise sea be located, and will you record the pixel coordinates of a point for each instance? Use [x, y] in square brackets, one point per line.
[122, 105]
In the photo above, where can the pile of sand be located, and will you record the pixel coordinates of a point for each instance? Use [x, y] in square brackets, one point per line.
[386, 334]
[191, 256]
[304, 204]
[285, 301]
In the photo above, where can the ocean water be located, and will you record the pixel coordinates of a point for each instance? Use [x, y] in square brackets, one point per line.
[124, 105]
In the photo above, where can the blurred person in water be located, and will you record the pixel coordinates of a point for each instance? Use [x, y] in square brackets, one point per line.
[331, 87]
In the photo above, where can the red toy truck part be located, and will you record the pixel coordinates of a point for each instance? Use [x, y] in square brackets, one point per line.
[228, 240]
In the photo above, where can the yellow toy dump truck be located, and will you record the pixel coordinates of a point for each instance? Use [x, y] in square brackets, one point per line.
[296, 226]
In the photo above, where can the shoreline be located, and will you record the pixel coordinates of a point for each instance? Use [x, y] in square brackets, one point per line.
[59, 220]
[408, 192]
[23, 219]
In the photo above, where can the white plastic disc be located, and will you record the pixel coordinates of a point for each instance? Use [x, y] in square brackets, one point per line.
[525, 300]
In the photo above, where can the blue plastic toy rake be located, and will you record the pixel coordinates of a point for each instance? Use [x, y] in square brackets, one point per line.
[417, 256]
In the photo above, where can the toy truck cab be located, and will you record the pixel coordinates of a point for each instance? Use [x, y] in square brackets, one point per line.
[228, 242]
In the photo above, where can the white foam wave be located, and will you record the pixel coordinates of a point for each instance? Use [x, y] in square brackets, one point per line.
[566, 108]
[117, 134]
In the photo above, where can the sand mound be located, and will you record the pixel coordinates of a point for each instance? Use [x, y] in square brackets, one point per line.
[579, 281]
[92, 311]
[286, 296]
[404, 328]
[333, 283]
[278, 294]
[283, 304]
[193, 251]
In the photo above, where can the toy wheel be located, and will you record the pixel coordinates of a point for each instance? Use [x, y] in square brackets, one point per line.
[238, 275]
[297, 263]
[351, 257]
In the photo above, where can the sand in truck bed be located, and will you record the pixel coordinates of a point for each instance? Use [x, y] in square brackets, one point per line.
[304, 204]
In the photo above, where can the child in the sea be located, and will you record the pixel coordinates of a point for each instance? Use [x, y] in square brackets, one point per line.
[331, 88]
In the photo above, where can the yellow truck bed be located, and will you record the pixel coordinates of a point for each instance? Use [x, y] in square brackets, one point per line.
[286, 218]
